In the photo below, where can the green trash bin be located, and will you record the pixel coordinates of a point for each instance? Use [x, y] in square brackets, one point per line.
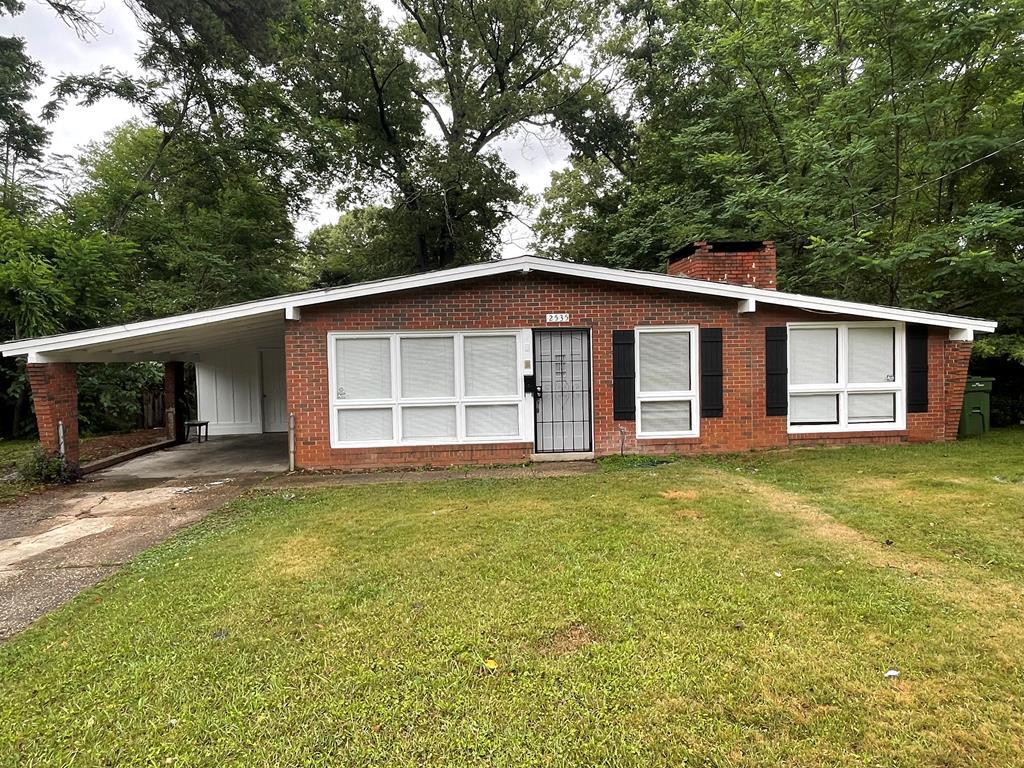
[975, 413]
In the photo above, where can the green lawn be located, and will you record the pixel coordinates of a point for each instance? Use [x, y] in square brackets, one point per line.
[723, 611]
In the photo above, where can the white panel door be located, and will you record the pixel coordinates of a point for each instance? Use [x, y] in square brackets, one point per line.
[275, 405]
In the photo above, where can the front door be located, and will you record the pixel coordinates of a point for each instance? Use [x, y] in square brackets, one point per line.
[275, 408]
[562, 368]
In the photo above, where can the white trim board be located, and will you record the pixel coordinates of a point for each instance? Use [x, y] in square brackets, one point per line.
[288, 306]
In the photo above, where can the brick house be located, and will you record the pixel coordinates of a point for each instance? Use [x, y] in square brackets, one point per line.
[532, 358]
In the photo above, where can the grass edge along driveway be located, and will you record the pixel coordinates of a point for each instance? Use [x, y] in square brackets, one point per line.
[739, 610]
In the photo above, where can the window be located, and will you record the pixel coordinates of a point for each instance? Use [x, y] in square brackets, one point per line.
[845, 376]
[666, 396]
[425, 388]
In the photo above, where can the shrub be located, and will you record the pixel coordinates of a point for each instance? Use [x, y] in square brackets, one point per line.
[44, 467]
[633, 461]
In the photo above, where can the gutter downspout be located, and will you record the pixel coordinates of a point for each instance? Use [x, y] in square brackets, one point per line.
[291, 442]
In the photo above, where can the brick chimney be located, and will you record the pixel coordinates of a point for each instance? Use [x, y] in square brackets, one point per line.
[739, 263]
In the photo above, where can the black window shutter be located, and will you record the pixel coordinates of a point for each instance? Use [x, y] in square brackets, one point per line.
[623, 376]
[917, 369]
[711, 395]
[776, 371]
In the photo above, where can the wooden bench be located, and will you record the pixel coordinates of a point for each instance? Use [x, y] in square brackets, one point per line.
[200, 426]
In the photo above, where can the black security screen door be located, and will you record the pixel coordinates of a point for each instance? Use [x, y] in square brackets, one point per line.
[562, 366]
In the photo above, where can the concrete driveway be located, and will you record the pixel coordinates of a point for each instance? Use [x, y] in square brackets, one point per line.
[56, 543]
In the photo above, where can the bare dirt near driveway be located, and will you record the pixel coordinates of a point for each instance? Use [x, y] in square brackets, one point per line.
[96, 448]
[56, 543]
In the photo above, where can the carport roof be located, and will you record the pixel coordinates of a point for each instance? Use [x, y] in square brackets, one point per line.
[183, 336]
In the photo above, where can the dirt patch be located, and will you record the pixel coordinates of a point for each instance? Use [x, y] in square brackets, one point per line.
[680, 495]
[301, 557]
[685, 509]
[569, 639]
[877, 483]
[96, 448]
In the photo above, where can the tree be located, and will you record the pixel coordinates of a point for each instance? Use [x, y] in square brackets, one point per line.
[365, 244]
[52, 280]
[207, 231]
[22, 139]
[186, 213]
[878, 143]
[405, 115]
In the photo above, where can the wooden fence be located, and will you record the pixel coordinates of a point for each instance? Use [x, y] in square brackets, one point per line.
[151, 409]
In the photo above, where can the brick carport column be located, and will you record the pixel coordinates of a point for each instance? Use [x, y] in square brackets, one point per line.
[55, 398]
[174, 401]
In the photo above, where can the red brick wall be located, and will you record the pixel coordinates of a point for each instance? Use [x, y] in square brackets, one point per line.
[55, 398]
[957, 354]
[521, 301]
[753, 266]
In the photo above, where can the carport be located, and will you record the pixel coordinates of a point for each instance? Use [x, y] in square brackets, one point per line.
[222, 456]
[241, 389]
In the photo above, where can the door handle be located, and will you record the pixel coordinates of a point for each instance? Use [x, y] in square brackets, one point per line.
[530, 384]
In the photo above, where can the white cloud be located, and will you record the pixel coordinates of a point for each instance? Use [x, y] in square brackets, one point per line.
[60, 51]
[533, 154]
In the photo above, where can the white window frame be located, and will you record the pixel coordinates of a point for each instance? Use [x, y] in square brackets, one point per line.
[692, 394]
[843, 388]
[397, 402]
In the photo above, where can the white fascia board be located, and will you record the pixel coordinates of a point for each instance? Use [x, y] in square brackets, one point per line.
[798, 301]
[269, 306]
[132, 330]
[293, 302]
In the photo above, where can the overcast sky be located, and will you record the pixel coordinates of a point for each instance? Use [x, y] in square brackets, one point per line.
[60, 51]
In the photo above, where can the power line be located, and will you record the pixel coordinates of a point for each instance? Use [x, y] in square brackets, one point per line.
[910, 191]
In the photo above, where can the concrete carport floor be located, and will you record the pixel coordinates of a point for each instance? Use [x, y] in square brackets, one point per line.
[56, 543]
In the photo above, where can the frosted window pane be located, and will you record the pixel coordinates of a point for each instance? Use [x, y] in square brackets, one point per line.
[665, 417]
[871, 355]
[428, 367]
[664, 362]
[364, 425]
[363, 369]
[813, 355]
[490, 366]
[867, 408]
[421, 423]
[814, 409]
[492, 420]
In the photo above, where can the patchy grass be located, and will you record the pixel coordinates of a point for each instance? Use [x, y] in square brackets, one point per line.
[958, 503]
[13, 453]
[740, 611]
[632, 461]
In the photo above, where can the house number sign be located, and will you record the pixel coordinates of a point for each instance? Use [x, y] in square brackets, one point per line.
[557, 317]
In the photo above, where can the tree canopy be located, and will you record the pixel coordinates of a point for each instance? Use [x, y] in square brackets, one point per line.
[406, 110]
[880, 144]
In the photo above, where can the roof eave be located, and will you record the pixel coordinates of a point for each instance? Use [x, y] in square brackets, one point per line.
[290, 302]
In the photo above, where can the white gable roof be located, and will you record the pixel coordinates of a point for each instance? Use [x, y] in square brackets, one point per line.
[171, 332]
